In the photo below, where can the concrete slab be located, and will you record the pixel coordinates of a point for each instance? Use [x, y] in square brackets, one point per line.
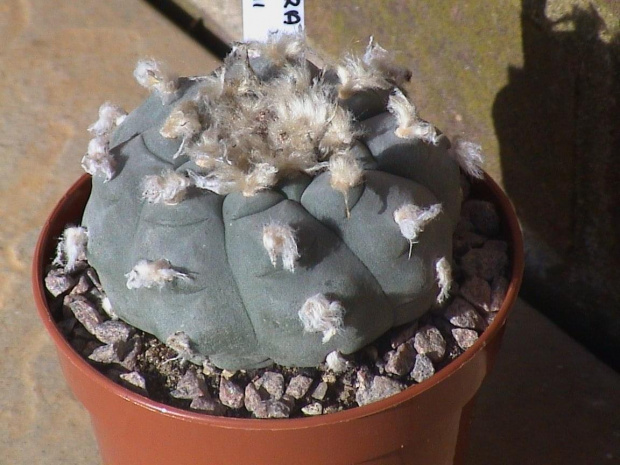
[548, 401]
[59, 60]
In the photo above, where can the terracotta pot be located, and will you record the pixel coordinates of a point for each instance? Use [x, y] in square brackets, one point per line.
[425, 424]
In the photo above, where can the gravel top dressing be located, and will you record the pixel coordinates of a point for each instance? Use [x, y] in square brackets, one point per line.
[176, 375]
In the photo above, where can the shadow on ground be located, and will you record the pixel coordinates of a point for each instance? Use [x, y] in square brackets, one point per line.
[558, 124]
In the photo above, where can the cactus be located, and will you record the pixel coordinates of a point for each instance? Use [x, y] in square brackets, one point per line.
[273, 211]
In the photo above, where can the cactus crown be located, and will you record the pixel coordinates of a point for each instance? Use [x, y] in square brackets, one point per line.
[272, 211]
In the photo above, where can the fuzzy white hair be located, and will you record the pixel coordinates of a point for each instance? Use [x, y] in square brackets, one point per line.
[412, 220]
[149, 274]
[279, 240]
[280, 48]
[183, 122]
[339, 133]
[213, 182]
[379, 58]
[168, 188]
[403, 109]
[98, 161]
[212, 87]
[155, 77]
[410, 126]
[346, 173]
[444, 279]
[294, 78]
[261, 177]
[469, 157]
[72, 247]
[228, 178]
[307, 127]
[303, 118]
[208, 150]
[319, 314]
[239, 77]
[355, 76]
[336, 362]
[98, 145]
[110, 116]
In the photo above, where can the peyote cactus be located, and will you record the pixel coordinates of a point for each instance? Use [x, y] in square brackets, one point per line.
[272, 211]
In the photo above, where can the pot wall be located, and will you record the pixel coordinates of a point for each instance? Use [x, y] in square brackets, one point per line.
[425, 424]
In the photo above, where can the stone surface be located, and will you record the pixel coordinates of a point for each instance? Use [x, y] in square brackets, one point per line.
[231, 394]
[423, 368]
[60, 60]
[298, 386]
[550, 403]
[400, 361]
[540, 395]
[378, 388]
[428, 340]
[460, 313]
[535, 83]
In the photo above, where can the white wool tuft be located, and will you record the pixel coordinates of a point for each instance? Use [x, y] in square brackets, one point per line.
[295, 78]
[72, 247]
[279, 240]
[280, 48]
[110, 116]
[209, 150]
[263, 176]
[356, 76]
[229, 179]
[97, 145]
[183, 121]
[469, 157]
[212, 182]
[168, 188]
[346, 173]
[410, 126]
[98, 161]
[211, 87]
[412, 220]
[148, 274]
[156, 78]
[444, 279]
[403, 109]
[318, 314]
[303, 120]
[379, 58]
[339, 134]
[336, 362]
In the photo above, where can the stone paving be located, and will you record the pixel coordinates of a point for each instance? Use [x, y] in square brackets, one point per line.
[59, 60]
[58, 63]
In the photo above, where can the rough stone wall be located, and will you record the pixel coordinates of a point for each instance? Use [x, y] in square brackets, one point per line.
[537, 83]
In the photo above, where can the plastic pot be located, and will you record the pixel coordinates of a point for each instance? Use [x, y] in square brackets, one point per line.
[425, 424]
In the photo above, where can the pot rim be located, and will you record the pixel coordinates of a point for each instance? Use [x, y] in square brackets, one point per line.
[513, 235]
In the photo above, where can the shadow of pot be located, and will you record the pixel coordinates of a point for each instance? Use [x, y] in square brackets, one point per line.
[424, 424]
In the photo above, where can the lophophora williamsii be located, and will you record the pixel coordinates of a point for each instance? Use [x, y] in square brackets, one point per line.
[272, 211]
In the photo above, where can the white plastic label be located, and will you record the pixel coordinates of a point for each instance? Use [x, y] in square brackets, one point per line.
[263, 17]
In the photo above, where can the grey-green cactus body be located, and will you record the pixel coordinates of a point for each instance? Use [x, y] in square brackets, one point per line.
[235, 306]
